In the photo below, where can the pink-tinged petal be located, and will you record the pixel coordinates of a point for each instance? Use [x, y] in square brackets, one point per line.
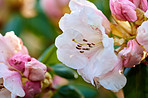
[113, 80]
[35, 70]
[11, 45]
[4, 93]
[131, 55]
[123, 10]
[12, 80]
[142, 4]
[31, 89]
[142, 35]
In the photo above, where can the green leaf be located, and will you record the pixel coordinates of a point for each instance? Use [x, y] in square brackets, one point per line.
[49, 56]
[68, 91]
[64, 71]
[103, 5]
[137, 82]
[87, 91]
[15, 24]
[116, 46]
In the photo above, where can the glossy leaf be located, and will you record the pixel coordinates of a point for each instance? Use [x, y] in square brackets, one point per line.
[64, 71]
[137, 82]
[87, 91]
[49, 56]
[16, 24]
[68, 91]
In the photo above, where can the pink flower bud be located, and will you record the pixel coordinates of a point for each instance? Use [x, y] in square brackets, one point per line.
[31, 89]
[123, 10]
[18, 61]
[35, 70]
[142, 4]
[54, 8]
[131, 55]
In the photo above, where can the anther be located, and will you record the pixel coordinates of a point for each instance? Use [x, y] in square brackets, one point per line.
[81, 51]
[79, 45]
[78, 48]
[89, 45]
[85, 48]
[92, 43]
[73, 39]
[85, 40]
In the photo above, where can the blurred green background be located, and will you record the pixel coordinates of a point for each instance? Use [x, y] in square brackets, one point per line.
[36, 23]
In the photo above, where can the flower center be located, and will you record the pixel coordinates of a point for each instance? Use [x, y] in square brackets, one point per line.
[85, 45]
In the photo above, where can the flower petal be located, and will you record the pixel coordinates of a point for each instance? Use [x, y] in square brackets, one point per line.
[11, 45]
[4, 93]
[114, 81]
[12, 80]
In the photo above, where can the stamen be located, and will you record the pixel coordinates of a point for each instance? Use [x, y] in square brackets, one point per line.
[79, 45]
[92, 43]
[81, 51]
[85, 40]
[85, 48]
[78, 48]
[89, 45]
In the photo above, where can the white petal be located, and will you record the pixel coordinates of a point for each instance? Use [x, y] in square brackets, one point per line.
[114, 81]
[78, 4]
[82, 21]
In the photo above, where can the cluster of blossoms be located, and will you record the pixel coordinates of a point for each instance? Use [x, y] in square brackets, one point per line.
[88, 40]
[20, 75]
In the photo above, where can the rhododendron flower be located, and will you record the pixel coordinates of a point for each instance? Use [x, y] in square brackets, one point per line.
[84, 45]
[123, 10]
[142, 35]
[13, 59]
[131, 55]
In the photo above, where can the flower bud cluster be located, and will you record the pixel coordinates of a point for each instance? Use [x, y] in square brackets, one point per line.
[21, 75]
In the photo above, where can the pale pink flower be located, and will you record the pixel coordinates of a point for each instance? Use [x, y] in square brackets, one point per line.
[13, 61]
[31, 89]
[35, 70]
[123, 10]
[131, 55]
[142, 35]
[10, 45]
[85, 46]
[142, 4]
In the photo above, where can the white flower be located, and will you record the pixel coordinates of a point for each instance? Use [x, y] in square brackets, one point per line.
[85, 46]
